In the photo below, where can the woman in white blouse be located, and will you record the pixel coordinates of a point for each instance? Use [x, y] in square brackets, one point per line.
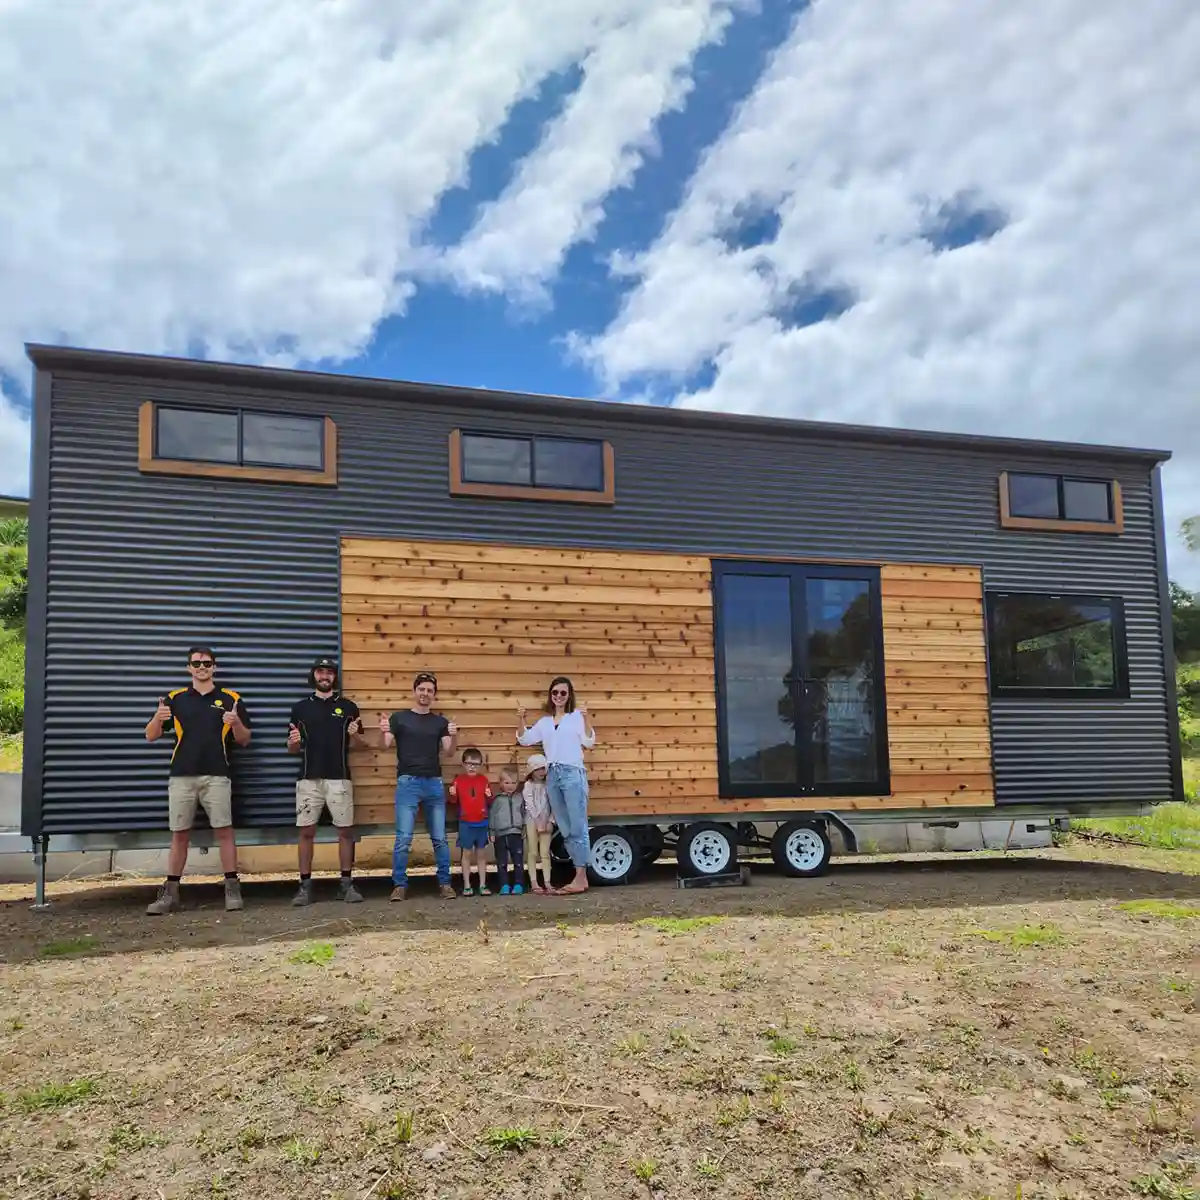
[563, 734]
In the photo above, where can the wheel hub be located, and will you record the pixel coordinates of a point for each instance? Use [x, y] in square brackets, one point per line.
[612, 857]
[709, 852]
[804, 849]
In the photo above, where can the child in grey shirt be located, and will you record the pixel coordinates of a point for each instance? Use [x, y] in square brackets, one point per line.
[507, 818]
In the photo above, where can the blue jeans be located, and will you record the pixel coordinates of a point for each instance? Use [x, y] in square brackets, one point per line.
[567, 791]
[411, 792]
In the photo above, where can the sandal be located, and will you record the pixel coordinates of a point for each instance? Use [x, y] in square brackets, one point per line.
[468, 891]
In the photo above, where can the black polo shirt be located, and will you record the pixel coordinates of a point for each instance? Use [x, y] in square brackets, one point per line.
[202, 738]
[324, 735]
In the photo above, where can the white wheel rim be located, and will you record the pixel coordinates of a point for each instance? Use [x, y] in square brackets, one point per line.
[710, 852]
[612, 856]
[804, 849]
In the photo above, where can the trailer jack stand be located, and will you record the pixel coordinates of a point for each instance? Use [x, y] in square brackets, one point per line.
[41, 846]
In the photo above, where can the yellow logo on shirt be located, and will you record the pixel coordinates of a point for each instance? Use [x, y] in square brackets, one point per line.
[218, 704]
[337, 712]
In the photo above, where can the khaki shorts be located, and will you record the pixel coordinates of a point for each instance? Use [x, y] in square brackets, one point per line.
[211, 792]
[312, 795]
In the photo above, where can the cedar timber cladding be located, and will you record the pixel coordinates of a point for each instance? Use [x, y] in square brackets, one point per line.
[634, 631]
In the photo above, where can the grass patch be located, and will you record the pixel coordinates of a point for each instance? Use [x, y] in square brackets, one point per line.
[317, 954]
[645, 1169]
[1165, 827]
[404, 1127]
[68, 946]
[516, 1140]
[1022, 936]
[677, 925]
[56, 1095]
[12, 752]
[1171, 909]
[128, 1138]
[303, 1154]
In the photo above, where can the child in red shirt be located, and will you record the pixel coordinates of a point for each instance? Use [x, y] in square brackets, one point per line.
[472, 793]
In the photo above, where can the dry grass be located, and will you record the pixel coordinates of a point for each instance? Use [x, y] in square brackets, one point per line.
[985, 1029]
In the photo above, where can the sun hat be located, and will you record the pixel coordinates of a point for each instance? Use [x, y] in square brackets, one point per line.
[535, 762]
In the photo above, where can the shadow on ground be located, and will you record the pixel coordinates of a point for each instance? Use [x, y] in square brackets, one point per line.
[107, 917]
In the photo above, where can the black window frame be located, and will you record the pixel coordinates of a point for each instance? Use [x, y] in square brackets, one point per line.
[242, 461]
[1061, 481]
[1118, 690]
[533, 439]
[806, 785]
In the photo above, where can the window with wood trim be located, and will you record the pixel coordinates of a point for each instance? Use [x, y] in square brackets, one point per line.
[507, 466]
[237, 443]
[1060, 503]
[1057, 646]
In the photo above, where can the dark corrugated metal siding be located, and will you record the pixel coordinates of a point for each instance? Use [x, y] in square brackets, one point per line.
[141, 566]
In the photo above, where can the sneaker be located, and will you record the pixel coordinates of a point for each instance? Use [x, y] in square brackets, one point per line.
[233, 895]
[506, 890]
[167, 902]
[518, 890]
[398, 893]
[304, 894]
[349, 892]
[446, 892]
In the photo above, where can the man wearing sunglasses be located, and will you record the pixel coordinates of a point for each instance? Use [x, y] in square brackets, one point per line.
[204, 718]
[421, 737]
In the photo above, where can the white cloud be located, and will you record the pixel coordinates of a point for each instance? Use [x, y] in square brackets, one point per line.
[1077, 320]
[634, 75]
[251, 178]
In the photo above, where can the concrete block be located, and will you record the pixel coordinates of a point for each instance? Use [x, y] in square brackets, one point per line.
[10, 799]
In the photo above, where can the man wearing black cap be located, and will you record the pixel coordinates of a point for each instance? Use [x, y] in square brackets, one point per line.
[322, 728]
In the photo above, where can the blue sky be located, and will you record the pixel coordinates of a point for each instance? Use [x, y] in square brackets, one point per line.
[978, 218]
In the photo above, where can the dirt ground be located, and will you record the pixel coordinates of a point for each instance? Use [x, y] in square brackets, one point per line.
[1002, 1027]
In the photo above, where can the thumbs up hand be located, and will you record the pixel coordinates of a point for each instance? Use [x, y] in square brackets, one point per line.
[355, 726]
[384, 724]
[163, 712]
[521, 713]
[582, 709]
[451, 727]
[293, 736]
[230, 717]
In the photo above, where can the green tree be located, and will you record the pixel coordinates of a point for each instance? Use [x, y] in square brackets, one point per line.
[1185, 623]
[14, 569]
[1190, 532]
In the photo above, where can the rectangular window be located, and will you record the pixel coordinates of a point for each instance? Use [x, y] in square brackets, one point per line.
[800, 693]
[236, 444]
[1056, 646]
[1060, 503]
[508, 467]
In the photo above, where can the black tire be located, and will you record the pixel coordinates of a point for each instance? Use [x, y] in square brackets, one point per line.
[801, 849]
[707, 848]
[616, 855]
[651, 839]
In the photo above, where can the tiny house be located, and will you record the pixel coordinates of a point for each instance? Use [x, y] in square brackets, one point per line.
[777, 625]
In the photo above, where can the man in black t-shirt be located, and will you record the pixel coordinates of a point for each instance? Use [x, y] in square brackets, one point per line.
[322, 727]
[421, 737]
[204, 719]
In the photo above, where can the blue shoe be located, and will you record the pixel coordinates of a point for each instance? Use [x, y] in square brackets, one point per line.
[505, 890]
[518, 890]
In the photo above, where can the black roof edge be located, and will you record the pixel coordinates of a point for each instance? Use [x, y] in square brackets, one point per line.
[113, 362]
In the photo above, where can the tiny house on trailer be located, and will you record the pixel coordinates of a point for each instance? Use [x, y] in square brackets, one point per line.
[778, 625]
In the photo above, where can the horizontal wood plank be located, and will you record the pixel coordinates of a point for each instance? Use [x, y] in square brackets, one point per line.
[930, 589]
[506, 573]
[432, 590]
[376, 548]
[497, 607]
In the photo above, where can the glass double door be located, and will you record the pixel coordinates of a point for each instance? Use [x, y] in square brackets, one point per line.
[800, 702]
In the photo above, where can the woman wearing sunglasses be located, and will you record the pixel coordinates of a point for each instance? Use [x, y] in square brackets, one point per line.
[564, 733]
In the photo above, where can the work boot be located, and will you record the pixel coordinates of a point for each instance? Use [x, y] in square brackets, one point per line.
[447, 892]
[168, 900]
[398, 893]
[304, 894]
[349, 892]
[233, 895]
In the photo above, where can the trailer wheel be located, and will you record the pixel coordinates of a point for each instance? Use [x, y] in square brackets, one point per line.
[801, 848]
[651, 839]
[616, 855]
[707, 848]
